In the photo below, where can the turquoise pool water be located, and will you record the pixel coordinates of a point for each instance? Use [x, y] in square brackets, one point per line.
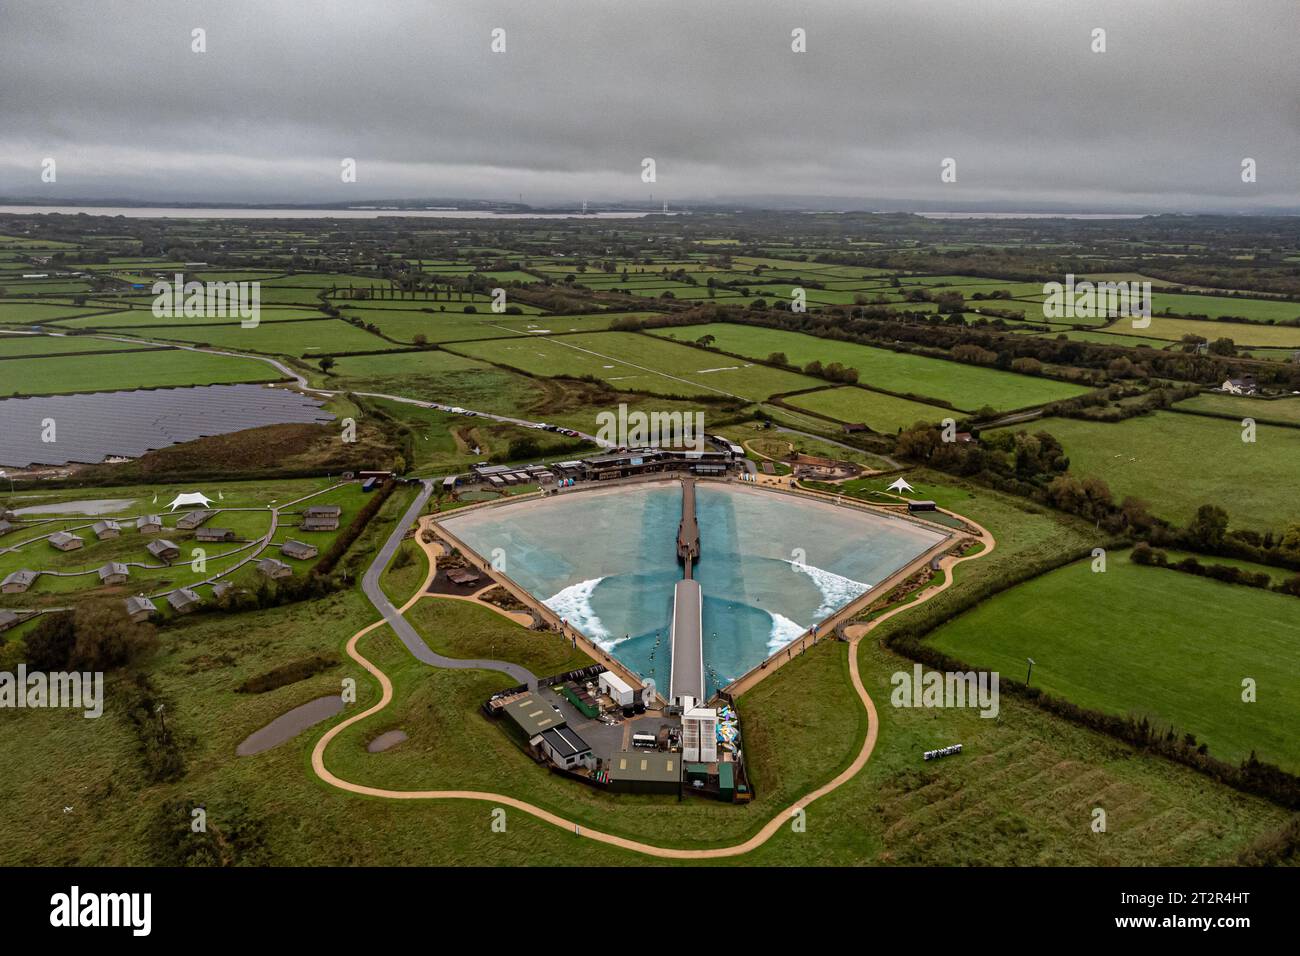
[771, 566]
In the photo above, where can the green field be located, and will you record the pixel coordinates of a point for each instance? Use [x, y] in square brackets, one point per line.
[1214, 306]
[1180, 462]
[1284, 411]
[639, 363]
[1123, 642]
[1241, 333]
[318, 337]
[143, 318]
[29, 313]
[882, 413]
[967, 387]
[30, 345]
[125, 370]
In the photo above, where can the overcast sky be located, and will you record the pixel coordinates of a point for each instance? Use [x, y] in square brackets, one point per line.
[709, 88]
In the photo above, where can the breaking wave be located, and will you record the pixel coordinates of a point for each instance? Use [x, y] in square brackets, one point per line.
[836, 589]
[784, 631]
[573, 604]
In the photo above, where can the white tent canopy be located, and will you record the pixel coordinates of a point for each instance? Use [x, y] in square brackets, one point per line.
[191, 498]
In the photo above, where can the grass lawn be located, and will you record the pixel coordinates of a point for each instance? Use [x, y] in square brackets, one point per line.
[1123, 642]
[967, 387]
[1180, 462]
[126, 370]
[639, 362]
[461, 629]
[880, 412]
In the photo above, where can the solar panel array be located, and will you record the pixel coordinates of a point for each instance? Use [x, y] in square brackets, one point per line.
[92, 427]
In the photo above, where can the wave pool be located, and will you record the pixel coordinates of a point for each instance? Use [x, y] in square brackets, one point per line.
[771, 566]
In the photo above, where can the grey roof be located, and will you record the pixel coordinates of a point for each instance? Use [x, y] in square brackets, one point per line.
[112, 568]
[565, 742]
[99, 527]
[6, 526]
[63, 537]
[533, 714]
[319, 511]
[134, 605]
[645, 765]
[143, 520]
[7, 619]
[298, 549]
[22, 576]
[272, 565]
[183, 598]
[192, 519]
[205, 533]
[161, 546]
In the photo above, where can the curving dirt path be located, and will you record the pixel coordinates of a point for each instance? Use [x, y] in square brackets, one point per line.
[764, 834]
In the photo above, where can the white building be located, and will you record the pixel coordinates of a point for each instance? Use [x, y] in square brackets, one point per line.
[700, 735]
[619, 690]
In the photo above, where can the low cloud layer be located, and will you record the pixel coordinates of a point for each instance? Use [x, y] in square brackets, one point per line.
[1011, 89]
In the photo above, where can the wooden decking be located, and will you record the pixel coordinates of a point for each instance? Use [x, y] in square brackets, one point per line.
[688, 531]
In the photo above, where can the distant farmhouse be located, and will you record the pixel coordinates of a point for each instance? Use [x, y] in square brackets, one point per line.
[214, 534]
[106, 529]
[1245, 385]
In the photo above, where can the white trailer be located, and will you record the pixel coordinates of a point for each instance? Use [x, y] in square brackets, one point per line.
[618, 689]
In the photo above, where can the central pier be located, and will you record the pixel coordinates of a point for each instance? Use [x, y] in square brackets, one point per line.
[686, 680]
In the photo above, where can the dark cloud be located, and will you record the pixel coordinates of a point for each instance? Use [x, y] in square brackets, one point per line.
[1009, 88]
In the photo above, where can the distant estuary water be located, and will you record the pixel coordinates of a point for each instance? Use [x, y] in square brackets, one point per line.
[771, 566]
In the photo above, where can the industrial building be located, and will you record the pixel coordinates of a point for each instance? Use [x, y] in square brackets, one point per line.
[565, 748]
[645, 771]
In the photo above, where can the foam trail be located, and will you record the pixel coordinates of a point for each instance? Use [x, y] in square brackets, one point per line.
[574, 605]
[836, 589]
[784, 631]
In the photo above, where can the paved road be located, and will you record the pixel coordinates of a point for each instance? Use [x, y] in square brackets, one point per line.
[401, 626]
